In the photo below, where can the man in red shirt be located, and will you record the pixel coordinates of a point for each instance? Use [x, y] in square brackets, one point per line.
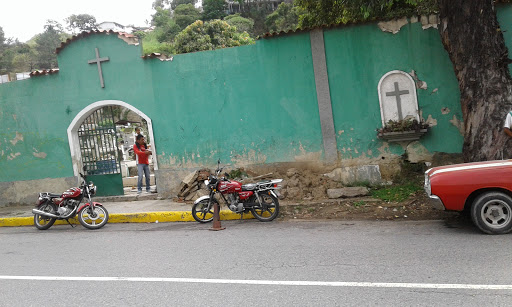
[141, 154]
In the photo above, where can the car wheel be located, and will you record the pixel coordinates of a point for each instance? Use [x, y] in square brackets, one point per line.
[492, 213]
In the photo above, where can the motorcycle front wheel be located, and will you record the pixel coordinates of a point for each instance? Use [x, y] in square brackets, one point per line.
[43, 222]
[268, 210]
[201, 213]
[93, 220]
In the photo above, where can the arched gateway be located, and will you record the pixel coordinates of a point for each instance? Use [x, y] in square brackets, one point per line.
[113, 178]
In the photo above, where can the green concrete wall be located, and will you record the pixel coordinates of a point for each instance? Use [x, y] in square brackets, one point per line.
[245, 105]
[358, 56]
[251, 104]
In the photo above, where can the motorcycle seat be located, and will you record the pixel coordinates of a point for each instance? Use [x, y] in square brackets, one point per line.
[54, 195]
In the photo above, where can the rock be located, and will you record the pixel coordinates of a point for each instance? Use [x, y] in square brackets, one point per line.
[347, 192]
[294, 193]
[349, 175]
[293, 182]
[417, 153]
[190, 178]
[292, 172]
[319, 192]
[307, 182]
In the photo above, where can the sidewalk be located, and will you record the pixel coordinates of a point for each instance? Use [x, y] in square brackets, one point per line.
[130, 208]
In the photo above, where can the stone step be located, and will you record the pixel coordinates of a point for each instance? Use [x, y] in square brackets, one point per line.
[132, 181]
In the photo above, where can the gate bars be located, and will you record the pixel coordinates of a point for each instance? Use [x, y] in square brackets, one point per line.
[98, 143]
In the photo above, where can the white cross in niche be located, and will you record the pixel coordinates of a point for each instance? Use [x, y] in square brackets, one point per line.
[397, 97]
[397, 93]
[98, 61]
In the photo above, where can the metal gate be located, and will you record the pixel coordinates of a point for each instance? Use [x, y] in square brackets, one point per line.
[100, 153]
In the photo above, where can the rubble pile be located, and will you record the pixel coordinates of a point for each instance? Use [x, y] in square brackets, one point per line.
[298, 184]
[192, 187]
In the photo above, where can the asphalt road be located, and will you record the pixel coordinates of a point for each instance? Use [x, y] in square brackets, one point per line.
[341, 263]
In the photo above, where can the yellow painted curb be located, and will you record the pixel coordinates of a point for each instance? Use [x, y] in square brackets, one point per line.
[141, 217]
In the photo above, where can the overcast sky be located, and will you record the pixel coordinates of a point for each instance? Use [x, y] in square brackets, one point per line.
[23, 19]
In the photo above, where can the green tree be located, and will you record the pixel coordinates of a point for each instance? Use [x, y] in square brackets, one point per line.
[186, 14]
[2, 40]
[46, 43]
[24, 57]
[211, 35]
[242, 24]
[472, 37]
[214, 9]
[168, 32]
[176, 3]
[161, 17]
[286, 17]
[316, 13]
[80, 22]
[7, 53]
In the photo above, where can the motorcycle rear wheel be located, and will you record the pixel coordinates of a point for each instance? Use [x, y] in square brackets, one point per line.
[201, 213]
[43, 222]
[269, 209]
[89, 220]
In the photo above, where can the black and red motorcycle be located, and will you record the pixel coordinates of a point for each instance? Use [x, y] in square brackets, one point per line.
[258, 198]
[52, 207]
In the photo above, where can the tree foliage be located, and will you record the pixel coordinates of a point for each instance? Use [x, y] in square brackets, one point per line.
[47, 42]
[161, 17]
[186, 14]
[242, 24]
[176, 3]
[211, 35]
[214, 9]
[81, 22]
[316, 13]
[286, 17]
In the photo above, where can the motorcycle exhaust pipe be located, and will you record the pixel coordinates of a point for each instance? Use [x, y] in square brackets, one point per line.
[43, 213]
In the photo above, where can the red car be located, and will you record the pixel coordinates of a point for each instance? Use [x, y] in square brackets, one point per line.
[483, 189]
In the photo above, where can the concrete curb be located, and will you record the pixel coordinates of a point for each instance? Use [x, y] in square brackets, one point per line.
[140, 217]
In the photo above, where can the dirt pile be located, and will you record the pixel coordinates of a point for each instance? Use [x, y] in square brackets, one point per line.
[363, 208]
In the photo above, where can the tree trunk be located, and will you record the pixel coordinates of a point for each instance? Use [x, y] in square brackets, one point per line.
[471, 34]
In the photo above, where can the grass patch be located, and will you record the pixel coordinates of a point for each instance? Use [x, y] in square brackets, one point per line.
[358, 204]
[396, 193]
[151, 44]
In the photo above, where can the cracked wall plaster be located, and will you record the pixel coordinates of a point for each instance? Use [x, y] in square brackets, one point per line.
[13, 156]
[431, 121]
[458, 123]
[429, 21]
[393, 26]
[41, 155]
[19, 137]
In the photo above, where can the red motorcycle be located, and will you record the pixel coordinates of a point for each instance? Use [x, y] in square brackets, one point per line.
[259, 198]
[52, 207]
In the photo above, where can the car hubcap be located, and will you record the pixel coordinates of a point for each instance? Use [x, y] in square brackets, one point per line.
[496, 213]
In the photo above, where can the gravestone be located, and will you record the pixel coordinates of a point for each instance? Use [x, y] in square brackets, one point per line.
[397, 97]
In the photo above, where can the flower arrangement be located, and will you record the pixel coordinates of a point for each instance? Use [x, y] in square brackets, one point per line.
[403, 125]
[403, 130]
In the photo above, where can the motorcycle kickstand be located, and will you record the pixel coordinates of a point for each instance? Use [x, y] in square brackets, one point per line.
[67, 220]
[241, 216]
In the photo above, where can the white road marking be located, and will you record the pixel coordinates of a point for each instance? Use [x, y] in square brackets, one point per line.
[266, 282]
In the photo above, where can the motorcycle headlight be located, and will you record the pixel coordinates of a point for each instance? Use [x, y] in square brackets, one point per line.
[207, 182]
[92, 188]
